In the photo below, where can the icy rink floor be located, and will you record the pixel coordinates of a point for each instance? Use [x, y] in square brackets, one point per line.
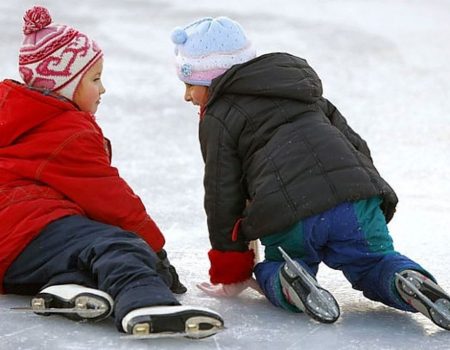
[384, 64]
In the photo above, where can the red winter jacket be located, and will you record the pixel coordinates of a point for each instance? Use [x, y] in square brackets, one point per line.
[55, 162]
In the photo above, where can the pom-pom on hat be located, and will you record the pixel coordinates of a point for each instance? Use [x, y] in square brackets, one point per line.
[54, 56]
[208, 47]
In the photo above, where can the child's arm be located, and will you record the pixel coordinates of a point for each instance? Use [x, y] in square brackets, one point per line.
[80, 169]
[225, 201]
[337, 119]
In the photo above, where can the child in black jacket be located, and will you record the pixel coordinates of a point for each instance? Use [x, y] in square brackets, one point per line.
[283, 166]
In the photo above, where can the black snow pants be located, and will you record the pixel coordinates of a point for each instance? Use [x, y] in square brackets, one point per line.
[77, 250]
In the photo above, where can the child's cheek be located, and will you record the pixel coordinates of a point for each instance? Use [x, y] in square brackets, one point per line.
[92, 96]
[95, 92]
[202, 97]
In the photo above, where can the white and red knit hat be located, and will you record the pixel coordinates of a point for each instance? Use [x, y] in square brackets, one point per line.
[54, 56]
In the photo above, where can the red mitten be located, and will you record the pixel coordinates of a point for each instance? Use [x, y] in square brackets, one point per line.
[230, 266]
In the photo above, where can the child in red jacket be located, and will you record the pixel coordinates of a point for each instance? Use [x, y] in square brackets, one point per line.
[283, 166]
[71, 229]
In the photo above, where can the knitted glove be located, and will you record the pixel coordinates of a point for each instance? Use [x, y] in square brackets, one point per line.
[176, 287]
[228, 290]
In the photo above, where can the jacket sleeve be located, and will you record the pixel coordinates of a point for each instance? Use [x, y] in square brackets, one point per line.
[80, 169]
[337, 120]
[224, 202]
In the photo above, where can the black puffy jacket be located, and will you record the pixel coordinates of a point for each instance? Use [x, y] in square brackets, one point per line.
[276, 151]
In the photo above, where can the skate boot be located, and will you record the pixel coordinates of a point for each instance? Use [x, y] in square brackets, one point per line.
[303, 291]
[73, 301]
[176, 321]
[425, 296]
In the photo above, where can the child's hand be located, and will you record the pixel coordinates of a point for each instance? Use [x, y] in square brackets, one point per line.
[176, 287]
[228, 290]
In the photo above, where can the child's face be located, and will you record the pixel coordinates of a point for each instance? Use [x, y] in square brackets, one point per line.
[87, 95]
[196, 94]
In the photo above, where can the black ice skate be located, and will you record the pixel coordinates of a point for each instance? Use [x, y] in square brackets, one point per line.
[172, 321]
[72, 301]
[425, 296]
[303, 291]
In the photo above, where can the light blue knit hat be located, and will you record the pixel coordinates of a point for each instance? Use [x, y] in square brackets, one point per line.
[208, 47]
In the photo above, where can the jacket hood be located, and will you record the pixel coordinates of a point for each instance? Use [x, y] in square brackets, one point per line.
[273, 75]
[22, 109]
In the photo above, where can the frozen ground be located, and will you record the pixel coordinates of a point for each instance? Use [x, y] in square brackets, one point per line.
[383, 63]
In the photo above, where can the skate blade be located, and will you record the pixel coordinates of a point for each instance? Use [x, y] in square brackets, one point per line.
[298, 270]
[194, 329]
[172, 335]
[319, 304]
[56, 310]
[441, 318]
[323, 306]
[439, 311]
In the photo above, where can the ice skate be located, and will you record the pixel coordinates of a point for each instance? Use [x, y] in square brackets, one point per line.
[425, 296]
[303, 291]
[72, 301]
[172, 321]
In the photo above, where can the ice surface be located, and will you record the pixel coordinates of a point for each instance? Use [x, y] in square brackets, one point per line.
[383, 63]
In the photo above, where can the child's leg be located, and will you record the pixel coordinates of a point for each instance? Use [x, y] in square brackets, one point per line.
[81, 251]
[23, 277]
[267, 273]
[360, 245]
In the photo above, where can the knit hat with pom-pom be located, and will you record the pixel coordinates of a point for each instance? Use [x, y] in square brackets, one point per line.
[208, 47]
[54, 56]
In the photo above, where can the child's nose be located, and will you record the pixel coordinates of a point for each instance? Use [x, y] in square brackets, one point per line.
[102, 89]
[187, 96]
